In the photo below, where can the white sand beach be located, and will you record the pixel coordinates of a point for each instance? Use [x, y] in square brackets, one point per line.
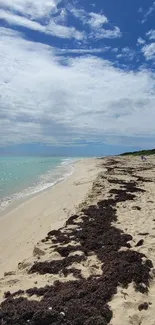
[28, 223]
[94, 180]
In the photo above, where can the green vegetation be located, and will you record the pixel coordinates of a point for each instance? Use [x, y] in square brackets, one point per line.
[139, 153]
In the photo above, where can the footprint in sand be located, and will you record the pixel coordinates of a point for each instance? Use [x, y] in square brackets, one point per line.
[135, 320]
[12, 282]
[129, 304]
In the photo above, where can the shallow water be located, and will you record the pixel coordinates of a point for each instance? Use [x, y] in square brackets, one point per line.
[24, 176]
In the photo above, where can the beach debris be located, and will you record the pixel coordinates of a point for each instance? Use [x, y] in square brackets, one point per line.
[136, 208]
[96, 320]
[143, 158]
[15, 294]
[64, 251]
[9, 273]
[24, 265]
[125, 294]
[54, 267]
[140, 243]
[71, 220]
[38, 252]
[143, 306]
[7, 294]
[62, 313]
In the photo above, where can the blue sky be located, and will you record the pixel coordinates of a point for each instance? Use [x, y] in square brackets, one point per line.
[77, 77]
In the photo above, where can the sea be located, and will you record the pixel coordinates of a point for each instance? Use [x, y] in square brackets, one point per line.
[21, 177]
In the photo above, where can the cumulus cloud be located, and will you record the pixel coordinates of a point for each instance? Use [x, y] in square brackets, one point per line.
[44, 100]
[140, 41]
[151, 34]
[106, 33]
[114, 50]
[34, 9]
[97, 20]
[127, 53]
[149, 51]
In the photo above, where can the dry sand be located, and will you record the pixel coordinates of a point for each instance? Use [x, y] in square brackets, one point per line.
[141, 225]
[23, 228]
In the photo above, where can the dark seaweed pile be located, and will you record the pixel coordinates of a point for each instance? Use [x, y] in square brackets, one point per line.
[84, 301]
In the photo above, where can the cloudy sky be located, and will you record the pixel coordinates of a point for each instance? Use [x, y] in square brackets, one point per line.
[76, 74]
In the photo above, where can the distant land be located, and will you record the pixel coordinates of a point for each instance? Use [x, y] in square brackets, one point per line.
[140, 153]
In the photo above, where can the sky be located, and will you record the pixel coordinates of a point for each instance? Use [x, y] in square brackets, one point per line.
[77, 76]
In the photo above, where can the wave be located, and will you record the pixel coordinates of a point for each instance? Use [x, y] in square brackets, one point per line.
[45, 181]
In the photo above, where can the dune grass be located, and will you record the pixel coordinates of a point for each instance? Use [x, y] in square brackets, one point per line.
[139, 153]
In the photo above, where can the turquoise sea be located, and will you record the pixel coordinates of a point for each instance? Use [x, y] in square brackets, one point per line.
[21, 177]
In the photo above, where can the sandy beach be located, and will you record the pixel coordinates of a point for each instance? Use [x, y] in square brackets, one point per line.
[83, 251]
[30, 221]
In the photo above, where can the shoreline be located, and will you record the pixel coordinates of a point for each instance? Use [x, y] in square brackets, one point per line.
[27, 222]
[19, 201]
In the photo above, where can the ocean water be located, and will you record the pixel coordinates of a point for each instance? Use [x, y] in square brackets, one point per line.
[21, 177]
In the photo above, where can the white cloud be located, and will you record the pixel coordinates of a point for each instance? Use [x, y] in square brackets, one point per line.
[148, 13]
[140, 10]
[21, 21]
[52, 28]
[149, 51]
[81, 14]
[50, 17]
[128, 53]
[96, 23]
[119, 56]
[97, 20]
[85, 51]
[151, 34]
[32, 8]
[140, 41]
[106, 33]
[115, 50]
[64, 31]
[62, 17]
[44, 100]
